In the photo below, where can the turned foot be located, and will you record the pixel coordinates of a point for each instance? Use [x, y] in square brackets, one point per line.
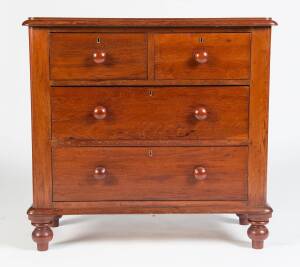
[258, 232]
[55, 222]
[42, 235]
[243, 219]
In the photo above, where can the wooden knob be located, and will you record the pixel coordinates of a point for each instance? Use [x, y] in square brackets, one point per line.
[99, 57]
[99, 173]
[99, 112]
[200, 173]
[201, 57]
[200, 113]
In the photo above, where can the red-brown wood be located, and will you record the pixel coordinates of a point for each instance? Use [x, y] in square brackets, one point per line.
[150, 113]
[258, 112]
[100, 173]
[150, 174]
[151, 54]
[200, 173]
[41, 118]
[201, 113]
[150, 207]
[55, 222]
[224, 56]
[99, 113]
[167, 143]
[149, 116]
[149, 22]
[149, 82]
[42, 234]
[243, 219]
[99, 57]
[258, 232]
[92, 56]
[201, 57]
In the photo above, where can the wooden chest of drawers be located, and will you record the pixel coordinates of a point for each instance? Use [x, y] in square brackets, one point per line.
[149, 116]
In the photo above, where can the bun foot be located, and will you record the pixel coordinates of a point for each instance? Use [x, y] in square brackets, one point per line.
[258, 232]
[42, 235]
[243, 219]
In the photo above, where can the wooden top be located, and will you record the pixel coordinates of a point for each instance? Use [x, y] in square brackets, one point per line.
[149, 22]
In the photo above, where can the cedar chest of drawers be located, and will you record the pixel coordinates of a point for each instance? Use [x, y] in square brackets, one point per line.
[133, 116]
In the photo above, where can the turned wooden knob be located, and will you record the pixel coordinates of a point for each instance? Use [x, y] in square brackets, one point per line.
[99, 173]
[200, 173]
[200, 113]
[201, 57]
[99, 57]
[99, 112]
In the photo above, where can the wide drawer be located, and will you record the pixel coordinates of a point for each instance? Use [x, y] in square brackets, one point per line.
[139, 113]
[157, 173]
[98, 56]
[202, 56]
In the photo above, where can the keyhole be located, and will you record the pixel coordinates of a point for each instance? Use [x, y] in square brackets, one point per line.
[201, 40]
[150, 93]
[98, 40]
[150, 153]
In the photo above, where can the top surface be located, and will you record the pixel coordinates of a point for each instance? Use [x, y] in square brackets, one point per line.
[149, 22]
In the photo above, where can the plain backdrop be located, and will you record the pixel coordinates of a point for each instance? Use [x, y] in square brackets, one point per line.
[146, 240]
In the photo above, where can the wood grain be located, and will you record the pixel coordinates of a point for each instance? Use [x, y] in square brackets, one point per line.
[156, 207]
[143, 116]
[151, 55]
[258, 112]
[41, 118]
[228, 56]
[149, 22]
[147, 82]
[165, 143]
[71, 56]
[202, 29]
[150, 113]
[149, 174]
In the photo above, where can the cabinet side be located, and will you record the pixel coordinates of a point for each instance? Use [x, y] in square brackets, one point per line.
[258, 115]
[41, 118]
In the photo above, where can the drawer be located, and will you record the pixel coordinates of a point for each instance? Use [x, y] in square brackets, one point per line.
[153, 113]
[97, 56]
[158, 173]
[202, 56]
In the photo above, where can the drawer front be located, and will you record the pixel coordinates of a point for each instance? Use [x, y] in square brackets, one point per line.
[158, 173]
[135, 113]
[202, 56]
[93, 56]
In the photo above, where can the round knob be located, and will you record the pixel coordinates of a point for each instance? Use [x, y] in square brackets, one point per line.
[99, 173]
[99, 112]
[200, 113]
[200, 173]
[99, 57]
[201, 57]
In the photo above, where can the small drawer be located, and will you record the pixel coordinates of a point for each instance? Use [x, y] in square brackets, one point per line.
[153, 113]
[158, 173]
[98, 56]
[195, 56]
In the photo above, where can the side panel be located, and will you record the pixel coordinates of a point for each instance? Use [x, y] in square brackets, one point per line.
[258, 123]
[41, 118]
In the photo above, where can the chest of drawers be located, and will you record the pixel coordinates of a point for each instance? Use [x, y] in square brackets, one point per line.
[133, 116]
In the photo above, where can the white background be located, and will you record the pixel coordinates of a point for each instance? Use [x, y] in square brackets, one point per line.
[162, 240]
